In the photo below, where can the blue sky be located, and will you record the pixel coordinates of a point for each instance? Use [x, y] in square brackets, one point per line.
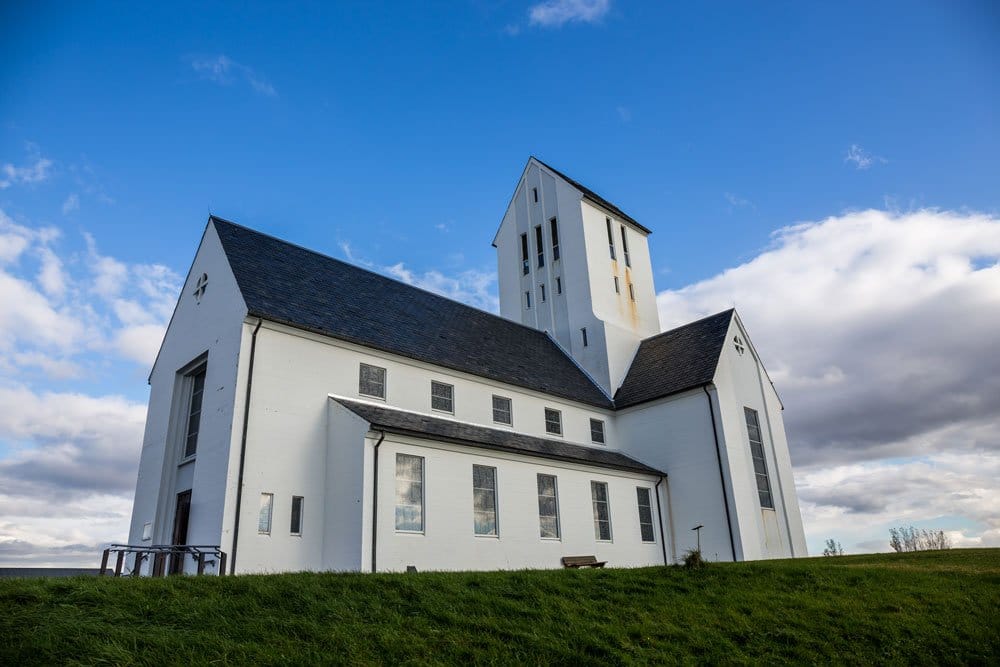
[393, 134]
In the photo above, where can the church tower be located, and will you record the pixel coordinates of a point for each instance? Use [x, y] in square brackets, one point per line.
[574, 265]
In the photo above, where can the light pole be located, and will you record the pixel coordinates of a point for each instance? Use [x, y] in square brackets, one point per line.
[697, 531]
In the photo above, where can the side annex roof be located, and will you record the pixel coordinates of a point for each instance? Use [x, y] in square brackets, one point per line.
[423, 426]
[288, 284]
[675, 361]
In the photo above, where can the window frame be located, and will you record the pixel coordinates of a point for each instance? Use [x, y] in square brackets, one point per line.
[631, 291]
[510, 410]
[625, 254]
[611, 239]
[423, 494]
[385, 381]
[291, 522]
[540, 245]
[583, 335]
[555, 497]
[269, 497]
[192, 393]
[558, 421]
[541, 288]
[618, 289]
[554, 233]
[766, 475]
[604, 440]
[649, 506]
[436, 384]
[527, 300]
[525, 264]
[594, 484]
[534, 195]
[558, 284]
[496, 501]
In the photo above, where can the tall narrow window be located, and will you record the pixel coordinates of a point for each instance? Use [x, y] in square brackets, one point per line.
[524, 254]
[194, 412]
[527, 299]
[558, 285]
[628, 262]
[542, 292]
[597, 431]
[534, 195]
[442, 397]
[502, 411]
[539, 247]
[645, 514]
[409, 493]
[554, 226]
[602, 511]
[759, 462]
[548, 507]
[296, 523]
[372, 381]
[631, 291]
[484, 499]
[553, 421]
[617, 288]
[264, 516]
[611, 238]
[583, 335]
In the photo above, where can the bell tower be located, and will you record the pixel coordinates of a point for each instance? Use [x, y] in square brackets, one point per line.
[574, 265]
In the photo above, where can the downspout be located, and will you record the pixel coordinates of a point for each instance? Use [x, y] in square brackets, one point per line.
[722, 476]
[243, 447]
[670, 517]
[381, 437]
[659, 516]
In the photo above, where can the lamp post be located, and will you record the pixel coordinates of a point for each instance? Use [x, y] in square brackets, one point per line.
[697, 531]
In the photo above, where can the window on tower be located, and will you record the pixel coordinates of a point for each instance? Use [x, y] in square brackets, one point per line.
[628, 262]
[524, 253]
[539, 247]
[554, 226]
[611, 238]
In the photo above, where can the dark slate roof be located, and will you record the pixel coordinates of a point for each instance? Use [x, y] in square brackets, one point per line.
[424, 426]
[675, 361]
[289, 284]
[596, 198]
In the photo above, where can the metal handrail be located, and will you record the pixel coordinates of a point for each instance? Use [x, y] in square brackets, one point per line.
[200, 553]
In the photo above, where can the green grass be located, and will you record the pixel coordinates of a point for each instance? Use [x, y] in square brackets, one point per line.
[924, 608]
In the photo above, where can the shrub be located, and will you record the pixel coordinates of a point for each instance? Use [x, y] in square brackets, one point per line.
[693, 559]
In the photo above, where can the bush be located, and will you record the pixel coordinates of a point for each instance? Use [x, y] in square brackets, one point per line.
[693, 559]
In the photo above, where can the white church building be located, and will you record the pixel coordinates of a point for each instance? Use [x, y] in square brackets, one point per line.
[308, 414]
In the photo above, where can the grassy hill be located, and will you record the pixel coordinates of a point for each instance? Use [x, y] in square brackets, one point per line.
[925, 608]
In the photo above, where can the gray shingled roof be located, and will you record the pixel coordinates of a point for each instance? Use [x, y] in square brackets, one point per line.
[289, 284]
[675, 361]
[423, 426]
[596, 198]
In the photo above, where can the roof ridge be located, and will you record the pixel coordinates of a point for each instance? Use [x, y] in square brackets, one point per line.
[689, 324]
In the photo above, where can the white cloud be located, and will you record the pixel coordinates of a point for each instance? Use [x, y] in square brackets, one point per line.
[71, 204]
[556, 13]
[861, 158]
[624, 114]
[475, 288]
[36, 171]
[735, 201]
[225, 71]
[879, 331]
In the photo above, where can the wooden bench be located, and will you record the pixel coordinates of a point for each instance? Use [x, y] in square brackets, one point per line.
[582, 561]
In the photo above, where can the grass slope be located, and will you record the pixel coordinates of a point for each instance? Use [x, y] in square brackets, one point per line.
[925, 608]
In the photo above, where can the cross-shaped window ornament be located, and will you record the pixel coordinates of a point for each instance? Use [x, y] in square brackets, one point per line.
[200, 286]
[738, 344]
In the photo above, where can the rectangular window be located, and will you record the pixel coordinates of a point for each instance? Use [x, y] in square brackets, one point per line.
[524, 254]
[409, 493]
[147, 531]
[558, 285]
[645, 514]
[611, 238]
[759, 462]
[539, 248]
[442, 397]
[628, 262]
[527, 299]
[264, 516]
[617, 287]
[534, 194]
[548, 507]
[502, 411]
[296, 523]
[583, 334]
[542, 289]
[631, 291]
[372, 381]
[554, 226]
[553, 421]
[597, 431]
[602, 511]
[484, 499]
[194, 412]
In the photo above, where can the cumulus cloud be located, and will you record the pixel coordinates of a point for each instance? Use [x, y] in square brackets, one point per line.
[223, 70]
[556, 13]
[861, 158]
[71, 204]
[36, 170]
[879, 331]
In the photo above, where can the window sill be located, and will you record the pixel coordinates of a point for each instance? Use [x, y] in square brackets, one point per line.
[558, 435]
[769, 509]
[443, 412]
[377, 398]
[550, 539]
[410, 532]
[187, 460]
[488, 537]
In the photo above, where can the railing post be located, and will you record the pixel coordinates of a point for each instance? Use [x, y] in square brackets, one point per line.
[222, 563]
[119, 563]
[137, 564]
[201, 562]
[104, 561]
[158, 562]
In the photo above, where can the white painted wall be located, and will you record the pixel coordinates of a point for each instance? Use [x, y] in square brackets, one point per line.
[214, 326]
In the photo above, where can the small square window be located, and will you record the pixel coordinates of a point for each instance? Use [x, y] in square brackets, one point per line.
[502, 411]
[553, 421]
[147, 531]
[597, 431]
[264, 516]
[372, 381]
[442, 397]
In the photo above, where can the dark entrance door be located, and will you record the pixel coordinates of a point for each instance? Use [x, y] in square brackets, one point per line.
[181, 516]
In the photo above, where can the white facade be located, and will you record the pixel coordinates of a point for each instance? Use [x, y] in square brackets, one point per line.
[296, 438]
